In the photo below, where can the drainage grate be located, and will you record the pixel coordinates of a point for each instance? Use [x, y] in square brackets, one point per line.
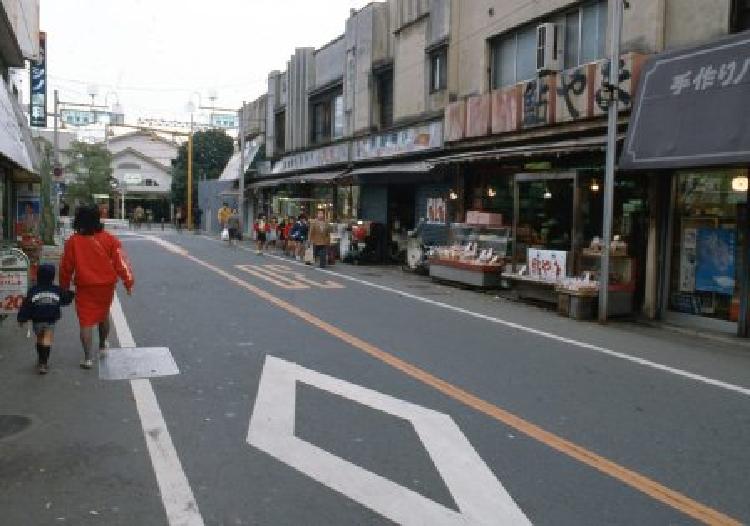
[12, 425]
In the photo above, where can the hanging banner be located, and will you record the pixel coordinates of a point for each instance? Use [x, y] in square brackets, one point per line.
[38, 104]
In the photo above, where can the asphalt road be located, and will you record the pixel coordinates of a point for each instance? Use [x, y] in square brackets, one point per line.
[307, 397]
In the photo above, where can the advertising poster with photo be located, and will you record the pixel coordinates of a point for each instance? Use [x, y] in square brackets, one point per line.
[547, 265]
[28, 208]
[436, 210]
[715, 260]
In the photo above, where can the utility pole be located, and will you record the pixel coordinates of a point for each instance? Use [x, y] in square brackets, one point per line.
[241, 178]
[609, 179]
[190, 177]
[56, 159]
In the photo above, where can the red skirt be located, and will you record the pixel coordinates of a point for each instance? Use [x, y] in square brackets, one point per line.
[93, 303]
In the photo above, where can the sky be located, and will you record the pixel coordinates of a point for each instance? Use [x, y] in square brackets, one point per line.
[156, 53]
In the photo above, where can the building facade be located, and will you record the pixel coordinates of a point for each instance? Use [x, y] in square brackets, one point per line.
[499, 107]
[142, 168]
[20, 204]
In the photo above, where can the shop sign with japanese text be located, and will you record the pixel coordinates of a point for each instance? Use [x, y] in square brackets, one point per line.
[328, 155]
[399, 142]
[692, 108]
[38, 106]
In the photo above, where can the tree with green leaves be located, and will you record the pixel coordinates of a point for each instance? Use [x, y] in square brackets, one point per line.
[47, 219]
[212, 150]
[92, 166]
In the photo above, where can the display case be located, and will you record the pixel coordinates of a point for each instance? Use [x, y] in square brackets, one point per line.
[475, 255]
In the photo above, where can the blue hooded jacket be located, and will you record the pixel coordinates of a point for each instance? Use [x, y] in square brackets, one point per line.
[43, 302]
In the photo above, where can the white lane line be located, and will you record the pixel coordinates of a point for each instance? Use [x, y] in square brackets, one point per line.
[544, 334]
[584, 345]
[178, 499]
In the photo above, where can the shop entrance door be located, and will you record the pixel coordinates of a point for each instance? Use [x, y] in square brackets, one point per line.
[544, 214]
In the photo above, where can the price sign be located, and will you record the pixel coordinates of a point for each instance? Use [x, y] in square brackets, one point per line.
[14, 280]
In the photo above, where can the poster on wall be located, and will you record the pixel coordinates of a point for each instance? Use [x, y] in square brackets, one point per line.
[715, 266]
[28, 208]
[687, 260]
[436, 210]
[547, 265]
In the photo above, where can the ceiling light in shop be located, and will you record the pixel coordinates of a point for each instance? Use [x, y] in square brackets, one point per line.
[739, 183]
[452, 195]
[594, 185]
[491, 192]
[547, 194]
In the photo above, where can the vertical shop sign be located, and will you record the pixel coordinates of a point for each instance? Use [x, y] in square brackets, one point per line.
[38, 104]
[715, 260]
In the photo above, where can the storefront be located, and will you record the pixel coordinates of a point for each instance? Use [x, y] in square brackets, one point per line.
[5, 226]
[690, 128]
[550, 208]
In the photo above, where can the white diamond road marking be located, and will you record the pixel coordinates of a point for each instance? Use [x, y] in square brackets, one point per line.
[480, 497]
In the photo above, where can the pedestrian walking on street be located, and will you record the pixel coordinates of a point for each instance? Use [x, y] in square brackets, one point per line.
[299, 236]
[223, 215]
[234, 226]
[93, 259]
[320, 238]
[261, 228]
[41, 307]
[178, 219]
[273, 233]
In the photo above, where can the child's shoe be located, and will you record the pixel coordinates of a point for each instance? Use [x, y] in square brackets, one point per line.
[87, 363]
[43, 369]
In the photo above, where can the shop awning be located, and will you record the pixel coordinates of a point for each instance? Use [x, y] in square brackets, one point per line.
[583, 144]
[269, 183]
[320, 178]
[691, 108]
[393, 173]
[232, 169]
[15, 138]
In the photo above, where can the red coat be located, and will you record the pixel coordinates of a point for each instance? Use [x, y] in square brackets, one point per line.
[94, 260]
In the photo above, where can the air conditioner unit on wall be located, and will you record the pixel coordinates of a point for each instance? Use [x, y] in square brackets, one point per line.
[549, 48]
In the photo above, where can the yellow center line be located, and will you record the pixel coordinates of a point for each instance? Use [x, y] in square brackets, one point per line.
[657, 491]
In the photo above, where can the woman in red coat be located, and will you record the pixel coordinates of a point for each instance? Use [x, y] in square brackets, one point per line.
[93, 259]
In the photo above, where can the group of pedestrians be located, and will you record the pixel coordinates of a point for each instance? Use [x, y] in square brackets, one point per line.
[92, 260]
[294, 237]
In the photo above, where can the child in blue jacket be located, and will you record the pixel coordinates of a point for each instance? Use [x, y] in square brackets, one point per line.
[41, 306]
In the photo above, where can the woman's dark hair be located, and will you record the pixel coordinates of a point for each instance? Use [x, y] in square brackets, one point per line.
[87, 220]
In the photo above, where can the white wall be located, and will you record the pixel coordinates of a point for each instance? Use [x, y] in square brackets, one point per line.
[24, 18]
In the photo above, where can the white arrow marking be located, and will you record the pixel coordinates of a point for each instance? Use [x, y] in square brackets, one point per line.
[479, 496]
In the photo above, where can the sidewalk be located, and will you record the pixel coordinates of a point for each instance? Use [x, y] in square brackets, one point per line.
[67, 439]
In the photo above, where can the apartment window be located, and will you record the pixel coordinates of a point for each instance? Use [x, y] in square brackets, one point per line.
[279, 128]
[514, 57]
[338, 116]
[740, 15]
[384, 82]
[438, 70]
[585, 33]
[327, 114]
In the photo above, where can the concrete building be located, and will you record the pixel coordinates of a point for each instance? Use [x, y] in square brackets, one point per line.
[19, 161]
[499, 107]
[142, 167]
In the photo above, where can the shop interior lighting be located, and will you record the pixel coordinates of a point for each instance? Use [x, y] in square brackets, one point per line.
[547, 194]
[452, 195]
[594, 185]
[740, 183]
[491, 192]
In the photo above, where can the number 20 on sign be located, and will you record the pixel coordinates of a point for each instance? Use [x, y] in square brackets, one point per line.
[13, 285]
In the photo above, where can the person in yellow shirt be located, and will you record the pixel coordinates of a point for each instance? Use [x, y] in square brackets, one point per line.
[224, 213]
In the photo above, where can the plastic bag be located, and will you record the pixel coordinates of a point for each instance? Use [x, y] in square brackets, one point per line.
[225, 234]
